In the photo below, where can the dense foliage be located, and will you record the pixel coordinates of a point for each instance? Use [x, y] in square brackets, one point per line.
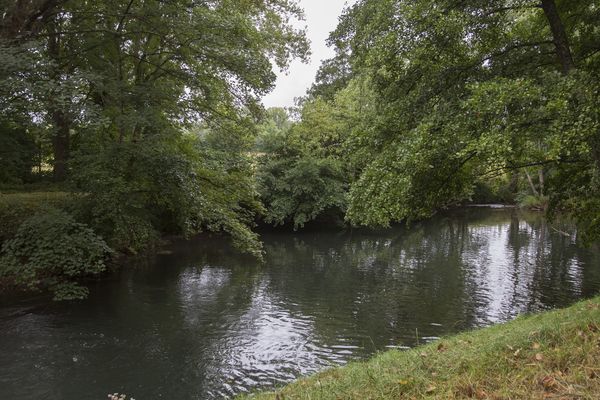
[121, 102]
[470, 95]
[52, 251]
[149, 113]
[17, 154]
[297, 183]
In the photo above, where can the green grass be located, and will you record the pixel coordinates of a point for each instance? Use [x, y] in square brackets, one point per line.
[552, 355]
[32, 197]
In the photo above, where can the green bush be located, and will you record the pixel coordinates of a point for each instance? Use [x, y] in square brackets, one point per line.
[532, 202]
[299, 189]
[50, 250]
[15, 208]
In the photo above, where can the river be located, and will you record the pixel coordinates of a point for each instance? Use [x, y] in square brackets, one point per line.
[201, 321]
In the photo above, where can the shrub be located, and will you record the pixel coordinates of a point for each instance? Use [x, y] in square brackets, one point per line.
[17, 207]
[52, 251]
[299, 189]
[531, 202]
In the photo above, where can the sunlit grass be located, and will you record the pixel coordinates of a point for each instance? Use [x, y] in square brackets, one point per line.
[32, 197]
[549, 355]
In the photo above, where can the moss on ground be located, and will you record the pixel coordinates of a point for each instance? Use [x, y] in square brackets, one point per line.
[552, 355]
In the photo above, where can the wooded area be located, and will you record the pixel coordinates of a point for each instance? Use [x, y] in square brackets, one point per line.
[145, 118]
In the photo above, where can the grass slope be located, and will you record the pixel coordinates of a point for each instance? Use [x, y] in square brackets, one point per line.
[552, 355]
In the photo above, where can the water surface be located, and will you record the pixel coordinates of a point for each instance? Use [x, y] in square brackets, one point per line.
[204, 322]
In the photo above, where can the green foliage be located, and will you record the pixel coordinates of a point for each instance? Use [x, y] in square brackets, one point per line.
[532, 202]
[110, 90]
[52, 251]
[297, 179]
[299, 189]
[164, 184]
[461, 95]
[17, 155]
[15, 208]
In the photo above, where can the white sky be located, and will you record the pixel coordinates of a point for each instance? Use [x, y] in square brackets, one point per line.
[321, 17]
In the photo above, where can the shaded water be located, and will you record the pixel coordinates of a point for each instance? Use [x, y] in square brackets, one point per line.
[204, 322]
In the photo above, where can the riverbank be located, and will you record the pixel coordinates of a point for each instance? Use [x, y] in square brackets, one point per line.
[549, 355]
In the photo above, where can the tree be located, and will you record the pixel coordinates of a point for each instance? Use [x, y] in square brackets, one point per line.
[297, 183]
[465, 91]
[132, 68]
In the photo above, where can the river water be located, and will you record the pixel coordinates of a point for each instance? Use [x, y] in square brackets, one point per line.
[200, 321]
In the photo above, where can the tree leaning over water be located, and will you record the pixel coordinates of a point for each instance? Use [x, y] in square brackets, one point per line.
[467, 92]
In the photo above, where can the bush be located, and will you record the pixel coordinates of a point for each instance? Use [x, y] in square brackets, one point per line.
[15, 208]
[531, 202]
[52, 251]
[299, 189]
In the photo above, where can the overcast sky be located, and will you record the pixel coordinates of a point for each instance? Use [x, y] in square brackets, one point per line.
[321, 18]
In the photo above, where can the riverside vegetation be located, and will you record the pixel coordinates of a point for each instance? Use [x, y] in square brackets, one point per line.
[124, 121]
[144, 120]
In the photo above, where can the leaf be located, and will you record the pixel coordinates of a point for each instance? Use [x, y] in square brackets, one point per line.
[549, 382]
[539, 357]
[516, 353]
[535, 346]
[430, 389]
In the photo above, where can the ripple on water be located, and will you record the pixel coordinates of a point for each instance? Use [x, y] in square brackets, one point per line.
[205, 323]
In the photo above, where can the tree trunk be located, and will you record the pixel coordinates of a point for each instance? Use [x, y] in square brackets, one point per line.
[61, 137]
[541, 180]
[533, 189]
[561, 41]
[60, 145]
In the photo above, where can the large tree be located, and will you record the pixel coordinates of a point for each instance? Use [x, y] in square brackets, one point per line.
[130, 68]
[466, 90]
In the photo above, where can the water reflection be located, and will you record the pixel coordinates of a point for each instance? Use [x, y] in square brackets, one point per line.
[205, 322]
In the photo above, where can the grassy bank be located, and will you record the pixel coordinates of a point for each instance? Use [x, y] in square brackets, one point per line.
[553, 355]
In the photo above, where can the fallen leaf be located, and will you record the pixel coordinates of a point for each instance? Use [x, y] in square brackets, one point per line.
[468, 391]
[535, 346]
[549, 382]
[403, 382]
[430, 389]
[539, 357]
[516, 353]
[423, 354]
